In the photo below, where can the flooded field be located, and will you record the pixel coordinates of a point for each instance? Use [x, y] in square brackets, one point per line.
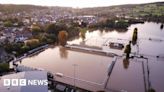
[127, 76]
[90, 70]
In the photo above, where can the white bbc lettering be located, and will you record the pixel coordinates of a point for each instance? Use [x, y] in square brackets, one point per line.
[32, 82]
[45, 82]
[6, 82]
[14, 82]
[42, 82]
[22, 82]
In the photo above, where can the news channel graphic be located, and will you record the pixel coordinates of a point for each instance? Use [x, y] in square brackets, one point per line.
[24, 82]
[29, 81]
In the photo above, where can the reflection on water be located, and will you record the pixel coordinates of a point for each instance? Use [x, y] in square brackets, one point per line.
[63, 52]
[145, 31]
[126, 63]
[90, 67]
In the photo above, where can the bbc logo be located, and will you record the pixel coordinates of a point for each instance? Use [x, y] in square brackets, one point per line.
[24, 82]
[14, 82]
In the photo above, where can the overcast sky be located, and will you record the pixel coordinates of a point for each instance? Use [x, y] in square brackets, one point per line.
[77, 3]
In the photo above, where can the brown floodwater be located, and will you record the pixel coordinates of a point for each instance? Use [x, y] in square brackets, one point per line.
[90, 70]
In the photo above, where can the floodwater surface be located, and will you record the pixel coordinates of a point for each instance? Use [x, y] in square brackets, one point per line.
[90, 70]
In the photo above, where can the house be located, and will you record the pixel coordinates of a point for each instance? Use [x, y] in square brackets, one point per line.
[21, 36]
[9, 34]
[2, 39]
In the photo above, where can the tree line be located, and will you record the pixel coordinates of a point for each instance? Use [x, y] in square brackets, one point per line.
[52, 33]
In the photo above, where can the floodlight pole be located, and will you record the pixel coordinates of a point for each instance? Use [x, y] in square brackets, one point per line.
[75, 74]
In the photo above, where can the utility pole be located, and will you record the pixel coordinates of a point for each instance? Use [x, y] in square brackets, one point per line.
[74, 65]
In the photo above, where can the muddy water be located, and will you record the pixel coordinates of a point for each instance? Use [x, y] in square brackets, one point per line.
[90, 70]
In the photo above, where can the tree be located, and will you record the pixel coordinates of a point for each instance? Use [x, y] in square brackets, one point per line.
[4, 67]
[10, 47]
[33, 43]
[73, 31]
[8, 24]
[62, 37]
[51, 38]
[36, 30]
[135, 36]
[25, 48]
[128, 50]
[43, 38]
[82, 33]
[50, 28]
[55, 28]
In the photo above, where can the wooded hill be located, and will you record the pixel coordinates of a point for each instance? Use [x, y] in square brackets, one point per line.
[134, 10]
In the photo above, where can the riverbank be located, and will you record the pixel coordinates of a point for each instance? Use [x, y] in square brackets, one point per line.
[31, 53]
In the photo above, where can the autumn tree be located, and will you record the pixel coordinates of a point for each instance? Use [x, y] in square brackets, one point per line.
[62, 37]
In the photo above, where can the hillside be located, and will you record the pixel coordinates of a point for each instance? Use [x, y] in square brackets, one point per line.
[153, 11]
[11, 8]
[129, 9]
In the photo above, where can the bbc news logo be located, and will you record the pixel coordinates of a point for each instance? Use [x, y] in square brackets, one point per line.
[24, 82]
